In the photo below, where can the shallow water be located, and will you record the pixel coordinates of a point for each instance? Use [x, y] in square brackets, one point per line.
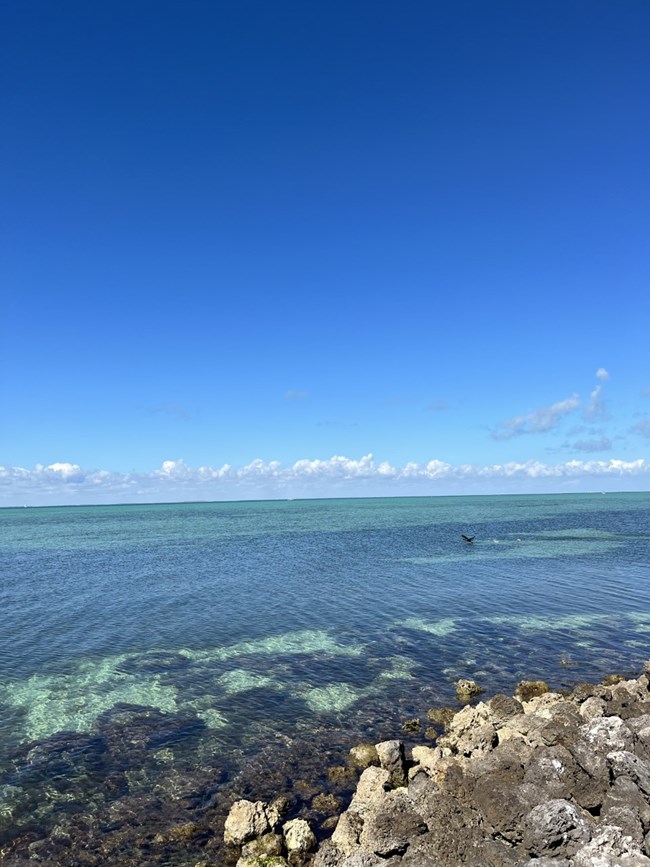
[233, 624]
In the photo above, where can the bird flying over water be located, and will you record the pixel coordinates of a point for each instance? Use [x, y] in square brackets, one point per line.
[468, 538]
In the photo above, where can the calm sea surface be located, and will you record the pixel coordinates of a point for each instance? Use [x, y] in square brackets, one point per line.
[234, 623]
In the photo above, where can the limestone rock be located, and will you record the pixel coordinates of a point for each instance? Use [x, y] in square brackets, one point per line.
[427, 757]
[626, 764]
[610, 848]
[391, 758]
[466, 689]
[347, 832]
[556, 827]
[363, 755]
[371, 789]
[592, 708]
[298, 836]
[598, 738]
[246, 819]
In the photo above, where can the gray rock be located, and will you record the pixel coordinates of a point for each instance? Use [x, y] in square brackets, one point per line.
[596, 739]
[505, 808]
[625, 764]
[556, 828]
[625, 793]
[555, 771]
[592, 708]
[388, 831]
[610, 848]
[503, 708]
[391, 758]
[371, 788]
[626, 818]
[362, 859]
[328, 855]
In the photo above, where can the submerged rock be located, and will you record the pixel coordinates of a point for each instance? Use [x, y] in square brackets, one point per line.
[466, 689]
[527, 689]
[364, 755]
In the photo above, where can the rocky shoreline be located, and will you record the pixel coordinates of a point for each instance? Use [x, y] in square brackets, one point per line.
[537, 779]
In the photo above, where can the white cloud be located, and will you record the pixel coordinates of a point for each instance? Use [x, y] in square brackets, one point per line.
[538, 421]
[595, 409]
[174, 480]
[602, 374]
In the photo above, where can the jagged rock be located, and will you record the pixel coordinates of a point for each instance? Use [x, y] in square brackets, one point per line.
[246, 819]
[584, 691]
[373, 785]
[503, 708]
[527, 689]
[389, 830]
[623, 792]
[347, 832]
[610, 848]
[626, 818]
[298, 836]
[410, 726]
[626, 764]
[507, 812]
[556, 828]
[427, 757]
[391, 758]
[328, 855]
[596, 739]
[364, 755]
[508, 782]
[466, 689]
[592, 708]
[461, 733]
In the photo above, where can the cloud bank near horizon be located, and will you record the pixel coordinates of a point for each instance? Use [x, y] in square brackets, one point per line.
[67, 483]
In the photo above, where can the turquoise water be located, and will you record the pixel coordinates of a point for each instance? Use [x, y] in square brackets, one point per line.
[240, 622]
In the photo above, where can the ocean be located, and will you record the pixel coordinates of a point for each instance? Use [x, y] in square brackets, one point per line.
[238, 648]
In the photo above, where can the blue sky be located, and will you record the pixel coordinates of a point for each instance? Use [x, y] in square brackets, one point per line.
[269, 240]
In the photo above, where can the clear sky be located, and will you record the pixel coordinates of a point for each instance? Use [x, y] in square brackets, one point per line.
[246, 246]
